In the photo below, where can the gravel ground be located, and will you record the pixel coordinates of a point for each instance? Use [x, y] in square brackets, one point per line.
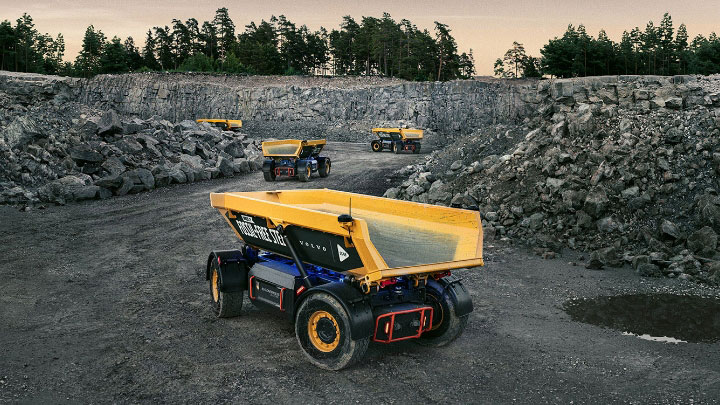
[106, 301]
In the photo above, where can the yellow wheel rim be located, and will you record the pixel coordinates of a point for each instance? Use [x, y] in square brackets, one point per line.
[309, 171]
[215, 289]
[327, 171]
[315, 338]
[376, 147]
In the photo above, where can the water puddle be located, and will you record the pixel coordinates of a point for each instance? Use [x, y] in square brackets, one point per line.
[666, 318]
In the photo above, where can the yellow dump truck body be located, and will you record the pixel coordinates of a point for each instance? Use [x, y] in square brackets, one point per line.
[288, 147]
[386, 238]
[230, 125]
[405, 133]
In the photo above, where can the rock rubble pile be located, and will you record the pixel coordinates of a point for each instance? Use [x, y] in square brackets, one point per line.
[58, 151]
[628, 185]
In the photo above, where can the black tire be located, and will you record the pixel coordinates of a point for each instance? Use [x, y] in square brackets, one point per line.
[330, 347]
[324, 170]
[376, 146]
[417, 149]
[269, 176]
[447, 326]
[224, 304]
[305, 173]
[396, 148]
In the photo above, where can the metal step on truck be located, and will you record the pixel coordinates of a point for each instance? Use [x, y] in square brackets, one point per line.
[397, 140]
[347, 268]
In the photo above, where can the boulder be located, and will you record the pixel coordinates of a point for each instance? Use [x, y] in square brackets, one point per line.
[674, 103]
[109, 124]
[186, 125]
[669, 230]
[114, 166]
[703, 242]
[177, 175]
[608, 256]
[233, 148]
[456, 165]
[648, 270]
[21, 131]
[596, 203]
[606, 225]
[83, 154]
[414, 190]
[109, 182]
[125, 187]
[535, 221]
[241, 165]
[226, 167]
[141, 177]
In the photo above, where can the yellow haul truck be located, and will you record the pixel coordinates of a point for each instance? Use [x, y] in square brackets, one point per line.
[397, 139]
[294, 158]
[347, 268]
[225, 125]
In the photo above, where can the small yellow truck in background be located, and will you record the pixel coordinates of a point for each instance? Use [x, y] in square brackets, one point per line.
[397, 139]
[225, 125]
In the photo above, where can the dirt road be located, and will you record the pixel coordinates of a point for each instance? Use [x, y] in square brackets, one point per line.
[106, 301]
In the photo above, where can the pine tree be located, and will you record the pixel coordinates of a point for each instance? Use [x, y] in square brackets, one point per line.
[666, 44]
[88, 61]
[514, 58]
[148, 52]
[7, 45]
[447, 53]
[134, 59]
[681, 49]
[225, 29]
[114, 58]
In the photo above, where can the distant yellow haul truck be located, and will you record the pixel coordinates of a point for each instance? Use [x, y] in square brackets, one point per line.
[397, 139]
[225, 125]
[294, 158]
[347, 268]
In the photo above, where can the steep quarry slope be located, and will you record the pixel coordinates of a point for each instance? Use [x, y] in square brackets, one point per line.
[632, 178]
[334, 108]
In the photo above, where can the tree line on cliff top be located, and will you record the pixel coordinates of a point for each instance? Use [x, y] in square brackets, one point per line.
[370, 46]
[656, 50]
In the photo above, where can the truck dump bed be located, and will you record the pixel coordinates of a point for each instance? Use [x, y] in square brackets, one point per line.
[292, 148]
[387, 238]
[405, 133]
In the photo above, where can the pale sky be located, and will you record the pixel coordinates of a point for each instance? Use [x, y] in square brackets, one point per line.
[488, 27]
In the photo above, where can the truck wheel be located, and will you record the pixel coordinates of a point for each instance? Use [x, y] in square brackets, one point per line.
[396, 148]
[446, 325]
[224, 304]
[324, 170]
[417, 149]
[376, 146]
[304, 175]
[269, 176]
[322, 328]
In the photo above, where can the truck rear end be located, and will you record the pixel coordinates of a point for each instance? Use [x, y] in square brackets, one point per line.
[347, 269]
